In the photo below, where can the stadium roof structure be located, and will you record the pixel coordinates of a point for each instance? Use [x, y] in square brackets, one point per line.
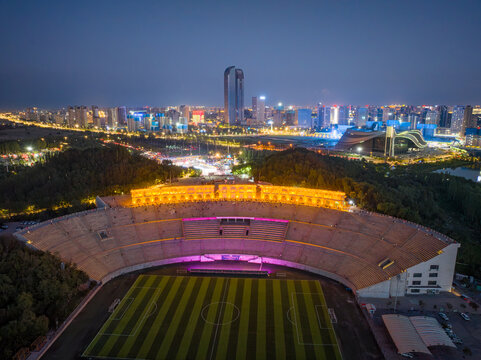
[404, 334]
[353, 137]
[431, 331]
[416, 333]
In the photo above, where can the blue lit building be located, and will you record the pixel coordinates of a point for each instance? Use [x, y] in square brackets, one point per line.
[473, 137]
[135, 120]
[428, 130]
[304, 118]
[362, 116]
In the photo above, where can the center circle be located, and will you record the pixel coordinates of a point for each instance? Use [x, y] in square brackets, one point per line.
[219, 317]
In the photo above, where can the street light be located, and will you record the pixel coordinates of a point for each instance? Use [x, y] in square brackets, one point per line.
[29, 148]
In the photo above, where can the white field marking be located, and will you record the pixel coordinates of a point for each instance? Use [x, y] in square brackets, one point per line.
[127, 308]
[146, 315]
[319, 316]
[220, 314]
[297, 328]
[110, 357]
[218, 302]
[288, 313]
[146, 287]
[100, 334]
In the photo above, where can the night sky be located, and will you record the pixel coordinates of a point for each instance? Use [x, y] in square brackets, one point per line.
[139, 52]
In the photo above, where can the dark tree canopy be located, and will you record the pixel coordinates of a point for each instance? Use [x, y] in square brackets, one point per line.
[74, 175]
[448, 204]
[35, 293]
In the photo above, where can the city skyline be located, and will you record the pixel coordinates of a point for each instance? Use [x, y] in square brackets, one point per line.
[249, 179]
[121, 54]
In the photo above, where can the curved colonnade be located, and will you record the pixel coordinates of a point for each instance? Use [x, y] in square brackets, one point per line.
[356, 248]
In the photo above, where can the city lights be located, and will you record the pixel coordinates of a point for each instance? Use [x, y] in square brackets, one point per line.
[155, 204]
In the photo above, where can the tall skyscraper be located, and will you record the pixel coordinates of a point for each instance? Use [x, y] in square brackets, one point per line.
[198, 116]
[95, 116]
[77, 116]
[457, 119]
[343, 118]
[468, 119]
[112, 118]
[71, 118]
[277, 118]
[259, 109]
[387, 114]
[374, 113]
[304, 118]
[233, 96]
[335, 115]
[444, 116]
[432, 117]
[362, 116]
[185, 111]
[122, 115]
[476, 116]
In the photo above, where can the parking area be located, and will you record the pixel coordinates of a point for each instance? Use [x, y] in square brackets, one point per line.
[11, 227]
[465, 333]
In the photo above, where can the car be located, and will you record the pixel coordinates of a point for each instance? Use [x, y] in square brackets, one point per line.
[4, 226]
[443, 316]
[407, 355]
[465, 316]
[457, 340]
[18, 228]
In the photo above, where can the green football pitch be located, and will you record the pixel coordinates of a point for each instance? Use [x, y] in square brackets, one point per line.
[180, 317]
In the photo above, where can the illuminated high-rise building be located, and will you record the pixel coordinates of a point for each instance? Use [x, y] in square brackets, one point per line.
[362, 116]
[259, 109]
[444, 118]
[303, 118]
[95, 116]
[59, 117]
[432, 117]
[457, 119]
[71, 116]
[387, 114]
[122, 115]
[185, 111]
[335, 115]
[233, 96]
[323, 117]
[77, 116]
[343, 118]
[112, 118]
[468, 119]
[198, 116]
[277, 117]
[476, 116]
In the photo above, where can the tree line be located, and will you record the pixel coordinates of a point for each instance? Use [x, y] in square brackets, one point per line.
[37, 292]
[74, 175]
